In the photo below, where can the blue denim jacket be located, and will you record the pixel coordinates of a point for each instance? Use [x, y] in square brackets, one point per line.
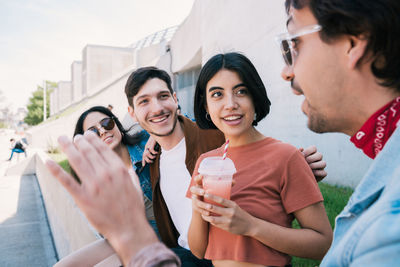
[367, 231]
[136, 153]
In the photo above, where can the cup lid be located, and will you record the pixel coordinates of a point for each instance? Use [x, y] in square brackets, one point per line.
[217, 166]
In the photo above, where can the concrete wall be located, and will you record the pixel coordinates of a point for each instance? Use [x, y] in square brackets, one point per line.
[250, 27]
[148, 56]
[69, 227]
[76, 81]
[53, 102]
[100, 63]
[214, 27]
[112, 92]
[108, 90]
[64, 94]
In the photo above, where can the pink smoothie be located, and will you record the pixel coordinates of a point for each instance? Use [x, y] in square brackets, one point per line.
[217, 186]
[217, 176]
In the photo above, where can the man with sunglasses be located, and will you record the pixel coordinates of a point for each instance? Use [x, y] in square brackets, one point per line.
[344, 57]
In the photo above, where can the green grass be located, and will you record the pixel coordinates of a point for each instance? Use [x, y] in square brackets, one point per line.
[335, 198]
[62, 160]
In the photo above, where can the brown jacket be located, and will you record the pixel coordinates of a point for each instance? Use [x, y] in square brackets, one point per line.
[198, 141]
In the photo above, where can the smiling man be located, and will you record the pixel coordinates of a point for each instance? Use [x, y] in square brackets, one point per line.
[153, 103]
[344, 57]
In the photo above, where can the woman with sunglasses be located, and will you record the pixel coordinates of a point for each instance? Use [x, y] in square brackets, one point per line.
[273, 183]
[106, 125]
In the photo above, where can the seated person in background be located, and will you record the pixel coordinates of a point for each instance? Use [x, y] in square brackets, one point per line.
[273, 183]
[16, 147]
[106, 125]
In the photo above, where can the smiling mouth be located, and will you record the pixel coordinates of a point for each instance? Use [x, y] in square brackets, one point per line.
[233, 117]
[159, 119]
[107, 139]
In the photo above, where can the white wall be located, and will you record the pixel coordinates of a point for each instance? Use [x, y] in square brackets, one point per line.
[76, 81]
[249, 27]
[69, 227]
[53, 102]
[219, 26]
[64, 94]
[100, 63]
[110, 92]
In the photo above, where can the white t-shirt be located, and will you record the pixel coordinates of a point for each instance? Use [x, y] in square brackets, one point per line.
[174, 182]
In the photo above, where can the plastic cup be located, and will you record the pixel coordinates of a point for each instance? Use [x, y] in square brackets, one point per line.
[217, 176]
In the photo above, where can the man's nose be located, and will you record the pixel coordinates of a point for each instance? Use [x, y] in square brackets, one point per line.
[156, 106]
[287, 73]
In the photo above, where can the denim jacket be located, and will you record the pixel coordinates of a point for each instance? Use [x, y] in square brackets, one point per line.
[367, 231]
[136, 154]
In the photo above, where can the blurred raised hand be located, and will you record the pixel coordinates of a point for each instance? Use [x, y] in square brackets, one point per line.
[112, 203]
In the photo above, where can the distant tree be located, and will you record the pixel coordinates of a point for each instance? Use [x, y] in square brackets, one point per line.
[35, 106]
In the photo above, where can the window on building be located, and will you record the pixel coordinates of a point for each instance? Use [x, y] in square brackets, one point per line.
[185, 84]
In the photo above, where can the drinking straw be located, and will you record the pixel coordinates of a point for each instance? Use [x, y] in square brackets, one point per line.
[225, 149]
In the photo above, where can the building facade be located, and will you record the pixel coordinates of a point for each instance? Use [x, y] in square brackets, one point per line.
[215, 26]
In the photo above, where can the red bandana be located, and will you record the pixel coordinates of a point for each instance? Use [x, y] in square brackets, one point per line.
[373, 135]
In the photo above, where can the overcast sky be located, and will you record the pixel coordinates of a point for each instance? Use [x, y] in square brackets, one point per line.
[39, 39]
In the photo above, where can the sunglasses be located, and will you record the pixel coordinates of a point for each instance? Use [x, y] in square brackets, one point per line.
[287, 42]
[106, 124]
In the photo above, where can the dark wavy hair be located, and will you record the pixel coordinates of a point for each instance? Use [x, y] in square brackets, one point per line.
[378, 20]
[140, 76]
[241, 65]
[126, 138]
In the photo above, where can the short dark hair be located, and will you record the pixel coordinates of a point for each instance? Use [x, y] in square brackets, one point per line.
[126, 138]
[140, 77]
[378, 20]
[241, 65]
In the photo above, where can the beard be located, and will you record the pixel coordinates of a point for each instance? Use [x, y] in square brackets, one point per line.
[317, 124]
[320, 123]
[175, 115]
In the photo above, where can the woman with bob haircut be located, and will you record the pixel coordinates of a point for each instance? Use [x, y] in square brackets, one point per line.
[273, 184]
[130, 149]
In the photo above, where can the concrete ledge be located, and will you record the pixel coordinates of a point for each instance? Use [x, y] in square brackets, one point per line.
[25, 167]
[70, 229]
